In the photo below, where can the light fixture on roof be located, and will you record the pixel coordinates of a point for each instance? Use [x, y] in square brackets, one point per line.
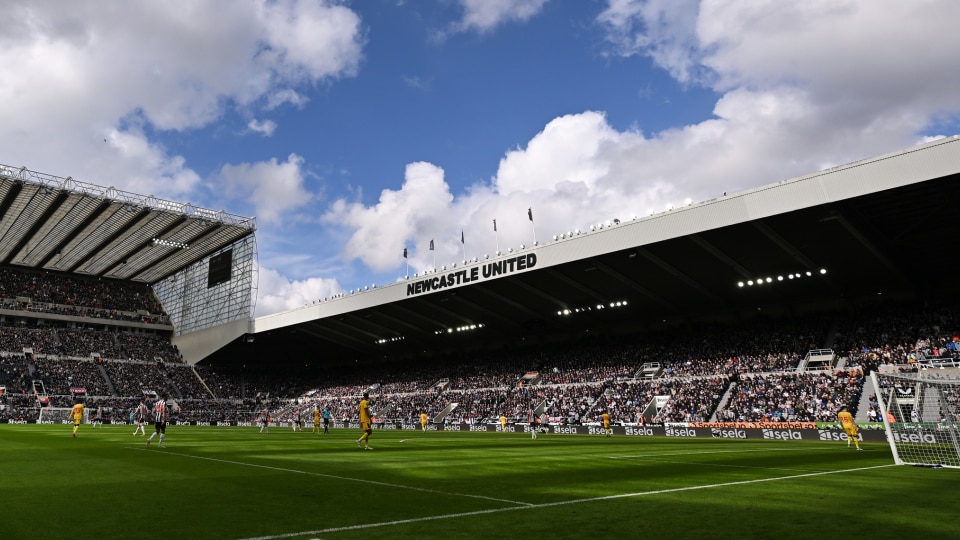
[169, 243]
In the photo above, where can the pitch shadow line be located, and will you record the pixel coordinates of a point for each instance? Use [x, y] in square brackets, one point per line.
[547, 505]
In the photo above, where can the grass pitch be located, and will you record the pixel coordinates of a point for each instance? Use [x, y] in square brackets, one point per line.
[234, 483]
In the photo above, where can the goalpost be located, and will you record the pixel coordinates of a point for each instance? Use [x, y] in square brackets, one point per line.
[920, 417]
[60, 415]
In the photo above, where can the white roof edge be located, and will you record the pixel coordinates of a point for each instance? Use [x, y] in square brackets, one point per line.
[927, 161]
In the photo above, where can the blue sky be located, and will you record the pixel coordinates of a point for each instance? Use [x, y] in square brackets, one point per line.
[355, 129]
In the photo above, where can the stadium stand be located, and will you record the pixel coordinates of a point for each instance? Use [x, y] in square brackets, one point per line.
[755, 371]
[751, 367]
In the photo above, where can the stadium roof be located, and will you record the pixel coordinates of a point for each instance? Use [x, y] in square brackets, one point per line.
[881, 228]
[65, 225]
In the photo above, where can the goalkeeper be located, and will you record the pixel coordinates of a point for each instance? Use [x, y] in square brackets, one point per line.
[849, 426]
[77, 414]
[365, 423]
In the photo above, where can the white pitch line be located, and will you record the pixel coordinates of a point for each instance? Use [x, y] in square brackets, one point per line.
[283, 469]
[642, 456]
[547, 505]
[720, 465]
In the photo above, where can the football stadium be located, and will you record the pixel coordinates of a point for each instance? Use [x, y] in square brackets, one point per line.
[676, 374]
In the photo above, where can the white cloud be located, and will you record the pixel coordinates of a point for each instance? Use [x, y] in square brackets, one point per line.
[420, 210]
[81, 81]
[802, 87]
[274, 189]
[665, 30]
[276, 292]
[265, 128]
[485, 15]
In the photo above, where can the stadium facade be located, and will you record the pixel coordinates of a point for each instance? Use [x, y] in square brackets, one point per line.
[842, 238]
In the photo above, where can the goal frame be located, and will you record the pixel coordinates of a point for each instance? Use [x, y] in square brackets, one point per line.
[60, 415]
[914, 441]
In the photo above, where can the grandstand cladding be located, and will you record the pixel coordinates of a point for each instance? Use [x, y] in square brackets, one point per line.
[881, 228]
[74, 230]
[65, 225]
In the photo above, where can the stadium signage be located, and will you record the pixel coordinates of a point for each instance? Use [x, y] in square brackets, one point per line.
[756, 425]
[469, 275]
[927, 438]
[782, 434]
[680, 432]
[728, 433]
[827, 435]
[645, 432]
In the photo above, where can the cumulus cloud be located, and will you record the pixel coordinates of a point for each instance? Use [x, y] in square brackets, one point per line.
[420, 210]
[485, 15]
[801, 87]
[273, 188]
[74, 63]
[277, 293]
[265, 128]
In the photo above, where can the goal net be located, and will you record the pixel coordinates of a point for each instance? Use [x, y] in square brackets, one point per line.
[60, 415]
[920, 416]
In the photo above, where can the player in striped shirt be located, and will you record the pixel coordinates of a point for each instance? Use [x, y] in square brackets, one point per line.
[159, 419]
[265, 420]
[139, 416]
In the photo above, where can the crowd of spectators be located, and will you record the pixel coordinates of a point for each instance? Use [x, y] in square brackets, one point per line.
[795, 397]
[187, 382]
[14, 374]
[15, 339]
[133, 378]
[76, 291]
[148, 347]
[88, 343]
[60, 375]
[754, 365]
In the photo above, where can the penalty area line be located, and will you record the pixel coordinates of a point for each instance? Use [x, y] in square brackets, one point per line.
[559, 503]
[346, 478]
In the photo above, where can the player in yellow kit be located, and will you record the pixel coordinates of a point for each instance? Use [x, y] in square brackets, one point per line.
[849, 426]
[423, 421]
[503, 423]
[316, 419]
[366, 423]
[77, 414]
[605, 418]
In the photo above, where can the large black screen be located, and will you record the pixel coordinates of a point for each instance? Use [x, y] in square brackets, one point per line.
[220, 266]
